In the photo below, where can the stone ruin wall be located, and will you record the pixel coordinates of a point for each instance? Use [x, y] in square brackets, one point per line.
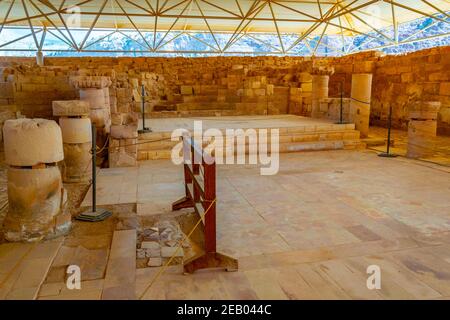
[230, 85]
[399, 80]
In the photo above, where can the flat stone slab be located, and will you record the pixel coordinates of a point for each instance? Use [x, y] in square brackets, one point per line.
[168, 252]
[121, 268]
[155, 262]
[150, 245]
[24, 267]
[70, 108]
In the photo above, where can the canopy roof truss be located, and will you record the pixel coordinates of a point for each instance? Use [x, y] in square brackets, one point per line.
[298, 26]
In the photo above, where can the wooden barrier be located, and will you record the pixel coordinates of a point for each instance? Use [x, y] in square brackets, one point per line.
[200, 185]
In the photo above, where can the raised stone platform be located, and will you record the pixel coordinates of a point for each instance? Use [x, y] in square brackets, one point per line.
[296, 133]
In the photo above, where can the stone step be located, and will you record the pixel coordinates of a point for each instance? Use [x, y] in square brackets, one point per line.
[295, 138]
[200, 98]
[285, 147]
[307, 129]
[192, 113]
[162, 139]
[164, 107]
[191, 106]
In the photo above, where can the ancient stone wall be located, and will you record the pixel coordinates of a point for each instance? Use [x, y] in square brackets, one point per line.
[234, 85]
[400, 80]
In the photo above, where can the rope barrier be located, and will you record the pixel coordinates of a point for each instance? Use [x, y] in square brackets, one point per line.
[186, 237]
[104, 147]
[363, 102]
[141, 143]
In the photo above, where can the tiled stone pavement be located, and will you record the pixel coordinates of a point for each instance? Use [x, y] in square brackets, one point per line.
[309, 232]
[312, 230]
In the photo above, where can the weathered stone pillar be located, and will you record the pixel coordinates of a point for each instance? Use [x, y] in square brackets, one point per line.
[319, 92]
[422, 129]
[123, 149]
[36, 195]
[95, 91]
[360, 102]
[77, 138]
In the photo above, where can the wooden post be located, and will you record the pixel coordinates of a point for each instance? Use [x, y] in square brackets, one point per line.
[210, 218]
[210, 258]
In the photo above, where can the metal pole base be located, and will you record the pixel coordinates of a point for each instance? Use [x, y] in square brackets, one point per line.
[96, 216]
[387, 155]
[145, 130]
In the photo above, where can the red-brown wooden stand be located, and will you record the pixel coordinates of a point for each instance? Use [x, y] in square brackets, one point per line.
[200, 185]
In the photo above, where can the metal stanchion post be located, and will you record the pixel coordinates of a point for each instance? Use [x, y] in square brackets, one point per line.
[341, 111]
[144, 129]
[388, 153]
[96, 214]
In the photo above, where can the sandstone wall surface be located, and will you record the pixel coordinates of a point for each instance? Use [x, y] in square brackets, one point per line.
[232, 85]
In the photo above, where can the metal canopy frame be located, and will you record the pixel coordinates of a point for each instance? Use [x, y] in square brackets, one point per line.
[232, 20]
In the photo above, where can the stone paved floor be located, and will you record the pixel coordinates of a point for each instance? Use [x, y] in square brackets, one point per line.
[312, 230]
[309, 232]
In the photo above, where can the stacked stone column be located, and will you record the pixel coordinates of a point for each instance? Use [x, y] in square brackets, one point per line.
[77, 138]
[123, 149]
[95, 91]
[320, 80]
[422, 129]
[319, 92]
[360, 102]
[37, 199]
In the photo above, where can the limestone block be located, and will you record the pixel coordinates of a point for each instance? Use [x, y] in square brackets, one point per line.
[304, 77]
[36, 199]
[6, 90]
[364, 67]
[76, 130]
[306, 86]
[319, 92]
[424, 110]
[29, 142]
[95, 97]
[116, 119]
[131, 146]
[360, 104]
[444, 89]
[444, 115]
[124, 132]
[421, 138]
[77, 162]
[101, 118]
[107, 98]
[186, 90]
[70, 108]
[86, 82]
[122, 159]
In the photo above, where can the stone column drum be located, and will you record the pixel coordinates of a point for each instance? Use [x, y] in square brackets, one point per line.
[360, 102]
[37, 199]
[77, 138]
[319, 92]
[422, 129]
[95, 91]
[123, 147]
